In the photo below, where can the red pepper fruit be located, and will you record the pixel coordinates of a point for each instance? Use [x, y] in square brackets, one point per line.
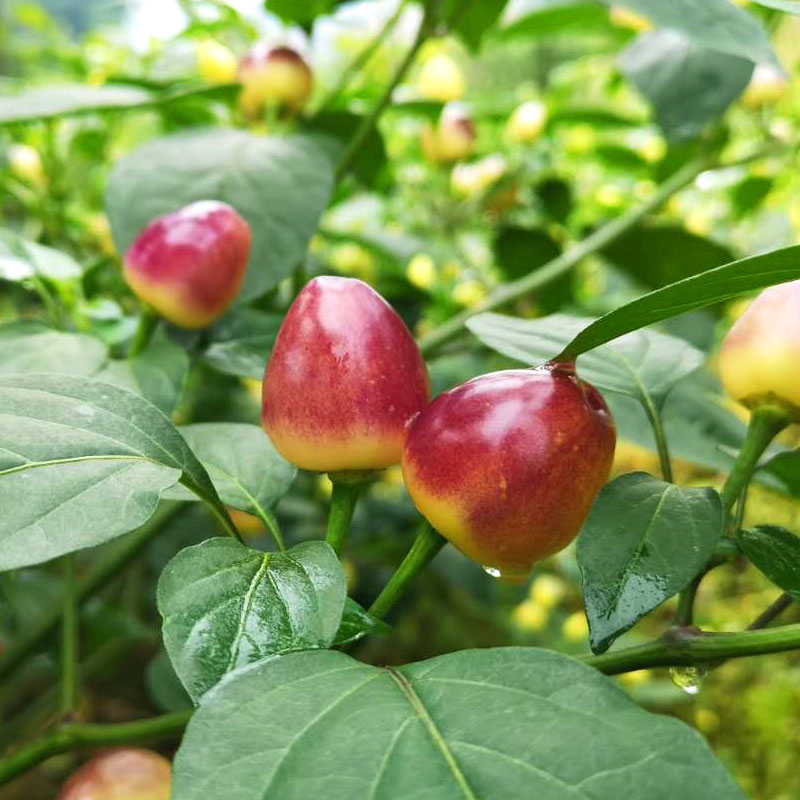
[189, 265]
[344, 378]
[125, 774]
[506, 466]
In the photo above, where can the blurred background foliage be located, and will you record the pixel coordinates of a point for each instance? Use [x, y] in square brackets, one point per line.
[569, 135]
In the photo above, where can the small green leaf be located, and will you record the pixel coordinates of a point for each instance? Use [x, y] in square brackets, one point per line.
[550, 18]
[31, 347]
[789, 6]
[688, 86]
[280, 185]
[303, 12]
[707, 289]
[157, 373]
[21, 260]
[643, 364]
[247, 470]
[512, 723]
[240, 343]
[225, 606]
[776, 552]
[82, 462]
[358, 623]
[471, 22]
[644, 541]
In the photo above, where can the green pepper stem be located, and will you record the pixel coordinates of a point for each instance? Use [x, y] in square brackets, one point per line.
[148, 323]
[343, 504]
[426, 545]
[69, 637]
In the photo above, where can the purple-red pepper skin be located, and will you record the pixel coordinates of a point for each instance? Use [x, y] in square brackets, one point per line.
[507, 465]
[189, 264]
[128, 773]
[343, 380]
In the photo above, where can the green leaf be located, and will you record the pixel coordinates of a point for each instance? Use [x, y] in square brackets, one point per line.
[776, 552]
[642, 364]
[512, 723]
[790, 6]
[21, 260]
[358, 623]
[707, 289]
[643, 542]
[554, 18]
[32, 347]
[716, 24]
[687, 85]
[472, 21]
[247, 470]
[225, 606]
[279, 185]
[82, 462]
[240, 343]
[157, 373]
[657, 254]
[164, 686]
[304, 12]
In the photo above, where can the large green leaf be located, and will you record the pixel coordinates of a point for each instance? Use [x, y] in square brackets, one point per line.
[687, 85]
[226, 606]
[790, 6]
[247, 470]
[32, 347]
[699, 291]
[776, 552]
[157, 373]
[643, 542]
[658, 253]
[357, 623]
[472, 21]
[643, 364]
[303, 12]
[551, 18]
[717, 24]
[240, 343]
[279, 185]
[21, 260]
[512, 723]
[82, 462]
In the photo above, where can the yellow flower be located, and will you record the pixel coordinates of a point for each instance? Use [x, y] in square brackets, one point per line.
[527, 122]
[575, 627]
[528, 616]
[421, 271]
[215, 62]
[441, 79]
[26, 164]
[469, 293]
[472, 179]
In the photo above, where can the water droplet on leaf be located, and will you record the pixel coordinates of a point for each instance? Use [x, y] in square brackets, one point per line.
[688, 678]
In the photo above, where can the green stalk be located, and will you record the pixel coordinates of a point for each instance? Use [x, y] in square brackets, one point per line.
[688, 647]
[69, 638]
[426, 545]
[343, 505]
[148, 323]
[69, 738]
[657, 425]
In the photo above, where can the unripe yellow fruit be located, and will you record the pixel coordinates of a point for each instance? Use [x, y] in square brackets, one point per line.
[759, 358]
[469, 293]
[529, 616]
[767, 85]
[26, 164]
[548, 590]
[468, 180]
[441, 79]
[575, 627]
[527, 122]
[421, 271]
[274, 77]
[453, 137]
[215, 62]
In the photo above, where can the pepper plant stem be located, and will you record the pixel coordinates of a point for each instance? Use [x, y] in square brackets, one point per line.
[343, 505]
[426, 545]
[148, 323]
[69, 637]
[74, 737]
[771, 612]
[689, 647]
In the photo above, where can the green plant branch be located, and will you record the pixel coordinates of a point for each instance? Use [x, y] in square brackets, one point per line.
[99, 574]
[689, 647]
[343, 504]
[593, 243]
[771, 612]
[69, 738]
[148, 322]
[371, 120]
[69, 637]
[657, 424]
[363, 57]
[426, 545]
[220, 513]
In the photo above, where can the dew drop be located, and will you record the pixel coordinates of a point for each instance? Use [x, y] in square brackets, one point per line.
[688, 678]
[493, 571]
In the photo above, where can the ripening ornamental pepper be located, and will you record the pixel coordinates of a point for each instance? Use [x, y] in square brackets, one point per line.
[759, 361]
[274, 77]
[189, 265]
[507, 465]
[127, 773]
[452, 138]
[343, 380]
